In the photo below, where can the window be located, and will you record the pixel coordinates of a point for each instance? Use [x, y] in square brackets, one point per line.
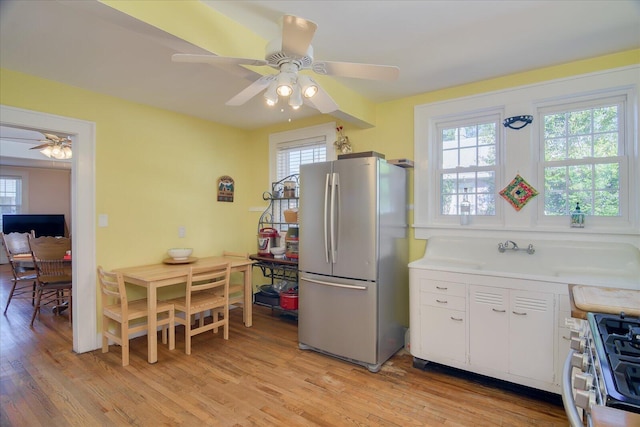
[468, 164]
[10, 196]
[583, 157]
[289, 150]
[293, 154]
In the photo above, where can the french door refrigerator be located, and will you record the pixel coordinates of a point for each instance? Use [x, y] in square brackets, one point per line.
[353, 257]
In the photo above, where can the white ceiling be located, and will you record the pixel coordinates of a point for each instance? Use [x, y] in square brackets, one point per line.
[436, 44]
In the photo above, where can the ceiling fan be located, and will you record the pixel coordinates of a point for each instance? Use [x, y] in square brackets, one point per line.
[289, 54]
[54, 146]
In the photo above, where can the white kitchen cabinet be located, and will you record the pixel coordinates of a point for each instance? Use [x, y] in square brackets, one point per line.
[563, 343]
[489, 328]
[504, 328]
[512, 330]
[532, 335]
[441, 330]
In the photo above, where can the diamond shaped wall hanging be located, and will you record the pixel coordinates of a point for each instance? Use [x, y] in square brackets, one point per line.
[518, 192]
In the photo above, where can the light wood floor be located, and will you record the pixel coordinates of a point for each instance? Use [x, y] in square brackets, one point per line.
[257, 377]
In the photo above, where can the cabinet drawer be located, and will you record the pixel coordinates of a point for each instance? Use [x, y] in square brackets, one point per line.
[443, 301]
[441, 287]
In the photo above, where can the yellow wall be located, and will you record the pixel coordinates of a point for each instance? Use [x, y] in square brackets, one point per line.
[157, 170]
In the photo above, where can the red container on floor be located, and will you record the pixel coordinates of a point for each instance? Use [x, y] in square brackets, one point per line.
[289, 300]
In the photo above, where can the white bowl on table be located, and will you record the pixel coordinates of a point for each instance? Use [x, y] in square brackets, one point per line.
[179, 254]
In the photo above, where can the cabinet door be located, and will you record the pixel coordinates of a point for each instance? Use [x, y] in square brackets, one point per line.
[531, 335]
[443, 334]
[488, 327]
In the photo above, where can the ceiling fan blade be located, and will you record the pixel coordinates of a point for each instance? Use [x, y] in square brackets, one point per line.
[41, 146]
[322, 102]
[357, 71]
[213, 59]
[252, 90]
[297, 34]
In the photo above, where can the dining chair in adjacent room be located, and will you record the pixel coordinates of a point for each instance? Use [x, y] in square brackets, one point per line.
[207, 290]
[130, 316]
[16, 247]
[53, 273]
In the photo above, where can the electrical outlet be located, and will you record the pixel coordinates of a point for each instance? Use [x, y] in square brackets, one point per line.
[181, 232]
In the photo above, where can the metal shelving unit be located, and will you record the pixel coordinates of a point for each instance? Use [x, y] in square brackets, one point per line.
[280, 199]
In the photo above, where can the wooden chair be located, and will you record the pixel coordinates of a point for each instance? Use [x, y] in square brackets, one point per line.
[53, 273]
[130, 315]
[16, 246]
[236, 288]
[207, 289]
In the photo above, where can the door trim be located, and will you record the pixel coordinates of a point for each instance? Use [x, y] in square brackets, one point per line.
[82, 133]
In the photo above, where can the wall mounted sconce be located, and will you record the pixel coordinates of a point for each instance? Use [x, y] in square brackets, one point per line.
[508, 123]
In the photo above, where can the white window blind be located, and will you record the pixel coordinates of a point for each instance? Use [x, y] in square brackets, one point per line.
[292, 154]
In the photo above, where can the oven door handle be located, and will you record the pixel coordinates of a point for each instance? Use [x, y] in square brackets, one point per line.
[567, 394]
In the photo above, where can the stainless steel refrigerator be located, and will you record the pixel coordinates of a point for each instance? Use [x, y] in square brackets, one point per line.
[353, 249]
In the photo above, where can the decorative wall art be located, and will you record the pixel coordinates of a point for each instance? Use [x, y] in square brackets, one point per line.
[226, 187]
[518, 192]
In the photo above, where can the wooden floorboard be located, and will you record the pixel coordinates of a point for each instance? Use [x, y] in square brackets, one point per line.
[258, 377]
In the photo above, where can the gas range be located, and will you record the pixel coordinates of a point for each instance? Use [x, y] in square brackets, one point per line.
[617, 343]
[606, 353]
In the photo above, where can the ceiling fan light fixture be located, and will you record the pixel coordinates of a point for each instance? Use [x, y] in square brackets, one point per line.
[47, 151]
[286, 82]
[295, 100]
[308, 86]
[271, 95]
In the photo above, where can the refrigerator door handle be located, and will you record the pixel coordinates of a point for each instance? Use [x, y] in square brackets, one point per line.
[332, 220]
[336, 285]
[326, 203]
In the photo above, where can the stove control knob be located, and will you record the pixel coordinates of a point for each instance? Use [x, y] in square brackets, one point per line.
[578, 343]
[580, 361]
[585, 399]
[583, 381]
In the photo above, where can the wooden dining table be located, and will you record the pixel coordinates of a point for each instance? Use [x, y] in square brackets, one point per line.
[154, 276]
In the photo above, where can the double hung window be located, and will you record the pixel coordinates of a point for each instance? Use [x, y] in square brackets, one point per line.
[10, 196]
[583, 158]
[467, 165]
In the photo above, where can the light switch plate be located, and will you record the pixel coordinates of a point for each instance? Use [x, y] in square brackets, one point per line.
[103, 220]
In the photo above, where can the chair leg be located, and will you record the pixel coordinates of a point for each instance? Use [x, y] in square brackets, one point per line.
[13, 288]
[36, 307]
[70, 307]
[172, 329]
[124, 338]
[105, 340]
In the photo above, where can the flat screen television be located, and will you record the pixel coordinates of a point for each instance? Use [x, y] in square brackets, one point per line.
[43, 225]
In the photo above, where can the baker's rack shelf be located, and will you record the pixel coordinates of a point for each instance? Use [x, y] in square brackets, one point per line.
[280, 200]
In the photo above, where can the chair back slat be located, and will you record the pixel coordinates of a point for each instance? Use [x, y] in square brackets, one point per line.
[48, 253]
[113, 288]
[49, 247]
[16, 243]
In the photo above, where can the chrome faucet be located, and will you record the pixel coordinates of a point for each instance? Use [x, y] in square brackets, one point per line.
[514, 247]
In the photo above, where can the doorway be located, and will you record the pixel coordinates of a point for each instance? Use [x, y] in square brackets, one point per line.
[85, 334]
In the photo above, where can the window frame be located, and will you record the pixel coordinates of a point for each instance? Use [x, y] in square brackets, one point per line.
[623, 97]
[465, 120]
[300, 137]
[521, 156]
[23, 192]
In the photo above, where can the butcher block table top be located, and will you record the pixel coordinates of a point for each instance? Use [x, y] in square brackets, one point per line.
[597, 299]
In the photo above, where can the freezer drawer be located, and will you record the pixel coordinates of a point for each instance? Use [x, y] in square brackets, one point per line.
[338, 317]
